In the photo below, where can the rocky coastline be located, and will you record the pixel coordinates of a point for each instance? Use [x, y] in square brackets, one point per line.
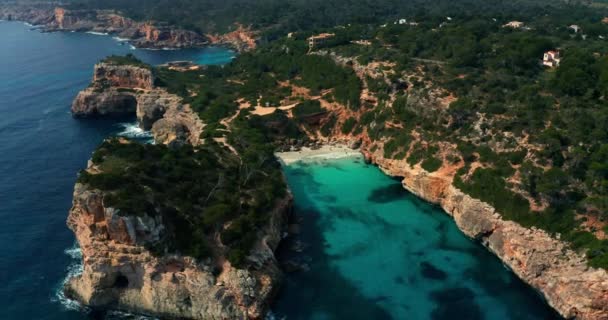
[120, 270]
[121, 273]
[561, 275]
[126, 90]
[146, 35]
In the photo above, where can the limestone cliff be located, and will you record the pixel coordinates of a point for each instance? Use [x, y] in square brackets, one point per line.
[123, 76]
[121, 273]
[561, 275]
[120, 270]
[241, 39]
[124, 90]
[147, 34]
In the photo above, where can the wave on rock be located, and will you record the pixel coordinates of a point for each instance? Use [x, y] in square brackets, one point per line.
[132, 130]
[74, 269]
[97, 33]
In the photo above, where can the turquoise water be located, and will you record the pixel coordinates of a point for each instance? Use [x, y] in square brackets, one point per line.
[41, 150]
[377, 252]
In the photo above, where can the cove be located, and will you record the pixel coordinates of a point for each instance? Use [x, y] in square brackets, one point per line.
[375, 251]
[42, 148]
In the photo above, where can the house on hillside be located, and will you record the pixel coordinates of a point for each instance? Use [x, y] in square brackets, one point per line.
[316, 41]
[514, 25]
[551, 59]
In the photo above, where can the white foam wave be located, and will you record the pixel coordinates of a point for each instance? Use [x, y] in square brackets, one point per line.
[74, 269]
[161, 49]
[119, 39]
[97, 33]
[132, 47]
[133, 131]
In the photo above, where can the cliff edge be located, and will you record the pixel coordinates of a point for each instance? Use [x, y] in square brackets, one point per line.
[561, 275]
[173, 229]
[125, 87]
[120, 272]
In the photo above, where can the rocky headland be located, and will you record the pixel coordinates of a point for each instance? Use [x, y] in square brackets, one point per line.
[127, 90]
[146, 34]
[121, 269]
[120, 272]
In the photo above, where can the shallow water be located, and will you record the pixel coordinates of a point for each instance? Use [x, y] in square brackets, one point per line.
[41, 150]
[377, 252]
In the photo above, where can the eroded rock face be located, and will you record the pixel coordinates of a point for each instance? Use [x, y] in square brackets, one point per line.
[123, 90]
[32, 15]
[123, 76]
[111, 102]
[113, 91]
[560, 274]
[179, 125]
[165, 36]
[120, 273]
[242, 39]
[148, 34]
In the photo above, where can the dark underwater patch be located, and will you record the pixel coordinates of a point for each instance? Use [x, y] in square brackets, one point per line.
[429, 271]
[389, 193]
[455, 303]
[328, 198]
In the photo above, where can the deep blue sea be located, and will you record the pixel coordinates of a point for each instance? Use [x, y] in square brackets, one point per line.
[374, 251]
[41, 150]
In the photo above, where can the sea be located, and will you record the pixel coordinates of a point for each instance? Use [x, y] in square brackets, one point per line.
[368, 249]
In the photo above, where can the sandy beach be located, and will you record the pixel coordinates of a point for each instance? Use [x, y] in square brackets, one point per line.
[325, 152]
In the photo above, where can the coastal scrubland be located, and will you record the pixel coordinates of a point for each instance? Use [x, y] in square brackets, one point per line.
[466, 91]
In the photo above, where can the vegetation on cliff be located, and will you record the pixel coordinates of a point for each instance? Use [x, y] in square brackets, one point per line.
[199, 192]
[126, 60]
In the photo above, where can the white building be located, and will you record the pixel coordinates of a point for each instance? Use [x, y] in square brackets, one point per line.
[551, 59]
[320, 39]
[514, 24]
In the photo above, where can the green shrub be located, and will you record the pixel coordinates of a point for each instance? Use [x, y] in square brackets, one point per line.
[431, 165]
[348, 125]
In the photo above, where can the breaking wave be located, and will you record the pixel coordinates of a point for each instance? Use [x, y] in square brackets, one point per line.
[97, 33]
[74, 269]
[119, 39]
[133, 131]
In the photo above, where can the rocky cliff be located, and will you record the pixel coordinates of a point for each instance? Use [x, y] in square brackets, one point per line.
[120, 269]
[124, 90]
[121, 273]
[153, 35]
[561, 275]
[241, 39]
